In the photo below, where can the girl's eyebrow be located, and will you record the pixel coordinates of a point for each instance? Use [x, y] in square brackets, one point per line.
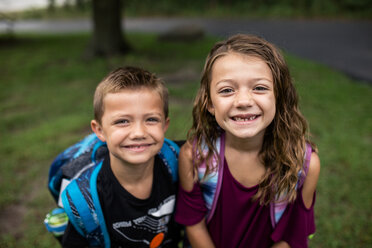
[254, 80]
[224, 81]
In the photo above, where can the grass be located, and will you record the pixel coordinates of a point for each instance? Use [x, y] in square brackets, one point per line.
[46, 89]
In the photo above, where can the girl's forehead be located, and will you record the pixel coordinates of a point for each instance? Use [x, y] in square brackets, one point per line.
[248, 57]
[239, 63]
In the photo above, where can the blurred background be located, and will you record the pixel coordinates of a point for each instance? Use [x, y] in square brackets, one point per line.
[53, 53]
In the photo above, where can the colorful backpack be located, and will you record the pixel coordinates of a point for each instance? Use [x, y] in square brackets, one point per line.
[211, 185]
[73, 184]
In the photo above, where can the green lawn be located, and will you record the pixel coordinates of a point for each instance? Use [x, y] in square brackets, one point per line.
[46, 89]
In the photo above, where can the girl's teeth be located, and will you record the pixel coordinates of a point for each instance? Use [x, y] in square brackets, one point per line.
[245, 119]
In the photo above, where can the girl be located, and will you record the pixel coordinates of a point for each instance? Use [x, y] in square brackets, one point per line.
[247, 166]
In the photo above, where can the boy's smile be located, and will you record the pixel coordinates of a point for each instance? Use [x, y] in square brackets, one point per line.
[242, 95]
[133, 125]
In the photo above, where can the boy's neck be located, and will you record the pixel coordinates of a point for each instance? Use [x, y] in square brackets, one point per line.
[136, 179]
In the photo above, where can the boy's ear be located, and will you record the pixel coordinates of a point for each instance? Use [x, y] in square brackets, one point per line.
[97, 129]
[166, 124]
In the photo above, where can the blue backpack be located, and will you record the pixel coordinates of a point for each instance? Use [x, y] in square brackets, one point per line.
[73, 185]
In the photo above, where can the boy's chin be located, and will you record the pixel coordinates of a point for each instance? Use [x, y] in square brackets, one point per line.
[137, 160]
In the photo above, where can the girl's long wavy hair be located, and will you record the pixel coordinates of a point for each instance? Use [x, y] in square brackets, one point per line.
[284, 143]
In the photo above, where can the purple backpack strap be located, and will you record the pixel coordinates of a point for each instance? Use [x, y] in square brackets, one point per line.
[219, 179]
[306, 164]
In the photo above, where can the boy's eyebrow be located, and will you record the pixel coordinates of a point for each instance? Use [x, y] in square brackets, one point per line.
[155, 113]
[160, 113]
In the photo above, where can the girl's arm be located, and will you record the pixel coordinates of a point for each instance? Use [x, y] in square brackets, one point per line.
[197, 234]
[311, 180]
[308, 191]
[281, 244]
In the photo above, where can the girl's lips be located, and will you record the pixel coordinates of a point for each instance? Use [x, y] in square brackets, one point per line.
[244, 118]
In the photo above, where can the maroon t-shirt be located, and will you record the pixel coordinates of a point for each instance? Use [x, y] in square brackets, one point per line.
[240, 222]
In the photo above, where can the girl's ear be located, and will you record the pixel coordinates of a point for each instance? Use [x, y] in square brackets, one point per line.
[211, 108]
[97, 129]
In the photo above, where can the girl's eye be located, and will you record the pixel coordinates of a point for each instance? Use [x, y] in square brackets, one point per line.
[225, 91]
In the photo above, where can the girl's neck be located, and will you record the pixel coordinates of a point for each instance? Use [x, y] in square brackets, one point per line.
[242, 156]
[250, 145]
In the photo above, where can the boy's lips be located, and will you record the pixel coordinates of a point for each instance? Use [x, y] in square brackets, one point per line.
[137, 147]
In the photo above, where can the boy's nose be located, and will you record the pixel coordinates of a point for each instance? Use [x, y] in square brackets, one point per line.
[138, 131]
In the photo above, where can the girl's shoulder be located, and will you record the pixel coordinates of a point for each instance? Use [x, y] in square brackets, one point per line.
[311, 179]
[186, 167]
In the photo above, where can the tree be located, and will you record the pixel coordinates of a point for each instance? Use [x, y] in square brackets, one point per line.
[108, 38]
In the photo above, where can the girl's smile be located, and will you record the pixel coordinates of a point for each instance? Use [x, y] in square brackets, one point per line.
[242, 95]
[245, 119]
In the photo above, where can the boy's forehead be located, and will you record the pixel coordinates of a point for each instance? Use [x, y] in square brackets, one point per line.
[133, 90]
[135, 94]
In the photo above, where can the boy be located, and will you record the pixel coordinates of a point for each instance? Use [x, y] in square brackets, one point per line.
[135, 189]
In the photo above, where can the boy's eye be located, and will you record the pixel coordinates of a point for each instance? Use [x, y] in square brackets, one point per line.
[153, 120]
[260, 88]
[121, 122]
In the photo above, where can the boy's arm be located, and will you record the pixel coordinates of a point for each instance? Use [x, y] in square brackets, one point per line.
[197, 234]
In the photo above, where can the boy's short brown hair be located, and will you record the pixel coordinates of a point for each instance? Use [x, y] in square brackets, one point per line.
[127, 78]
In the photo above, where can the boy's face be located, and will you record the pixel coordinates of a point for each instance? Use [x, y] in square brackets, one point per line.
[133, 125]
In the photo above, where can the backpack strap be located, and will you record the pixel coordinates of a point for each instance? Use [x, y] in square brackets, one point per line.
[81, 203]
[72, 160]
[278, 206]
[306, 166]
[211, 185]
[169, 154]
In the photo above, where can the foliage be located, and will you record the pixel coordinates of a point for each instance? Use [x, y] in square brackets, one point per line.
[218, 8]
[45, 105]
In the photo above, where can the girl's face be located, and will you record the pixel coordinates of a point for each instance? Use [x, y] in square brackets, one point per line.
[242, 95]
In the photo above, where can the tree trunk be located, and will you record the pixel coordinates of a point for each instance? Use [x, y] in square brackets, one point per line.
[51, 5]
[107, 33]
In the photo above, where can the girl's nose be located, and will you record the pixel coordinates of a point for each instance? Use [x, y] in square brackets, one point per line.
[244, 99]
